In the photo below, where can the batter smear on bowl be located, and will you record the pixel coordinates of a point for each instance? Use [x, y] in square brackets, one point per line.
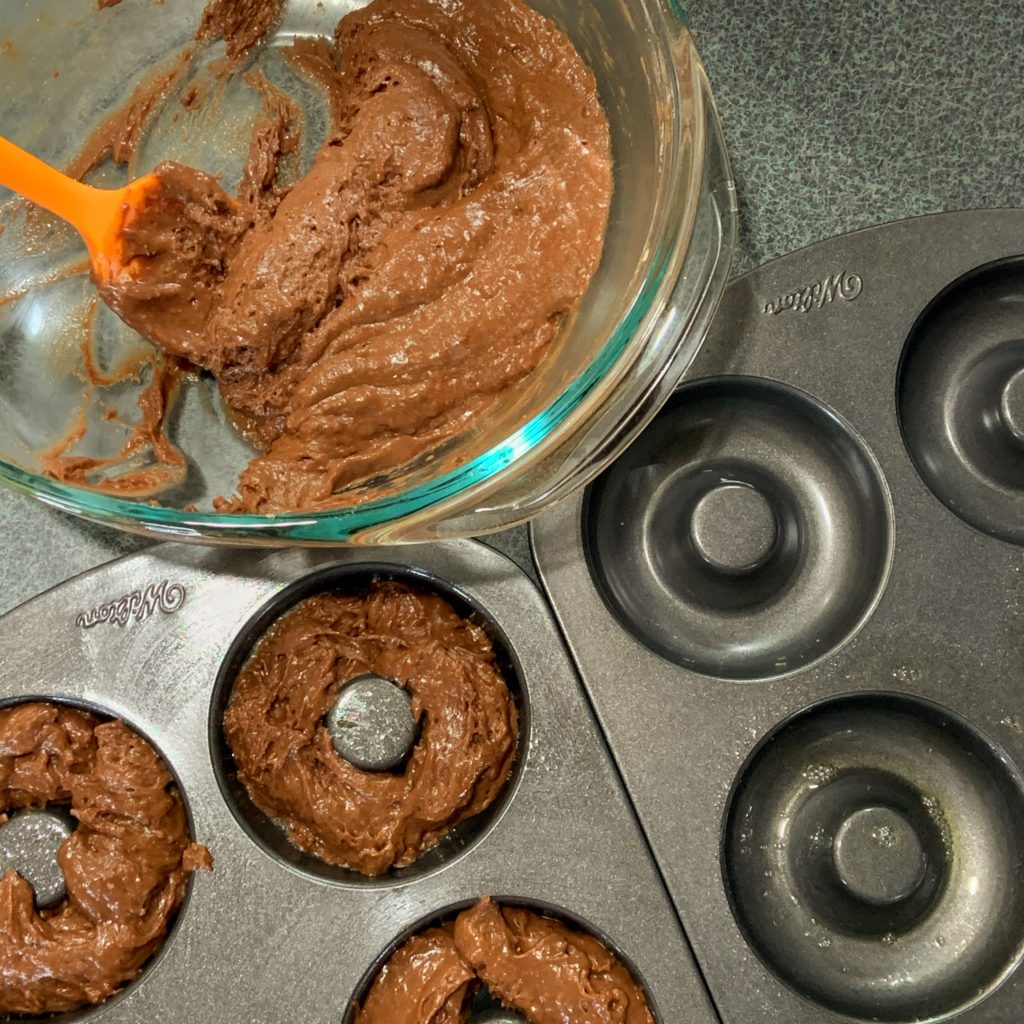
[550, 973]
[420, 269]
[240, 23]
[365, 820]
[126, 864]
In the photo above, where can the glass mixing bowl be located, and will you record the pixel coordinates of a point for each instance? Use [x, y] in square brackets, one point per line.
[64, 64]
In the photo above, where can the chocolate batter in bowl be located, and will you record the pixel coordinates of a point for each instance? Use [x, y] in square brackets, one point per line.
[92, 797]
[506, 961]
[670, 232]
[315, 694]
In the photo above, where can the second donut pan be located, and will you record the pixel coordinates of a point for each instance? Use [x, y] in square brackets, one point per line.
[266, 938]
[797, 604]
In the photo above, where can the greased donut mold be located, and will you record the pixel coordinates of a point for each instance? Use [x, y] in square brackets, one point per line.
[796, 604]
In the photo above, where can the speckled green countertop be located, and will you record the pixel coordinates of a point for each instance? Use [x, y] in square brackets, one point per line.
[838, 115]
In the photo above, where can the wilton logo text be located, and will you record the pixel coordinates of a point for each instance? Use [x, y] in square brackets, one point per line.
[137, 606]
[844, 286]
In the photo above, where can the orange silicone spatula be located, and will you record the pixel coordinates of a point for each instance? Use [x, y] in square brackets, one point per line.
[98, 214]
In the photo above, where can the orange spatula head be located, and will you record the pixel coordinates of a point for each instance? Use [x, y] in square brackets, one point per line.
[99, 215]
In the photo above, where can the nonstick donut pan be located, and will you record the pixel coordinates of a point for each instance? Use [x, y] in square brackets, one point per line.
[269, 935]
[797, 604]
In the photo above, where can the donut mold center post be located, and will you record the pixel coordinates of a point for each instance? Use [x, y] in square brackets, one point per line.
[878, 856]
[1012, 406]
[29, 841]
[734, 528]
[497, 1015]
[372, 724]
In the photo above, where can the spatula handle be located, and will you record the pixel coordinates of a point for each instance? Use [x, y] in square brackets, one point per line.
[43, 184]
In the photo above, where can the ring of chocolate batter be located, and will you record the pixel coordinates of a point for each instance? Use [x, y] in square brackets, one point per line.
[537, 961]
[126, 865]
[360, 827]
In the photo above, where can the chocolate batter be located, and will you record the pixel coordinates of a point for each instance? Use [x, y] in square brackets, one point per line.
[426, 981]
[121, 133]
[420, 269]
[550, 973]
[126, 865]
[168, 465]
[240, 23]
[372, 821]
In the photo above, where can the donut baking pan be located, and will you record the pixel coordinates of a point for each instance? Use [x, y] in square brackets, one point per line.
[796, 602]
[272, 934]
